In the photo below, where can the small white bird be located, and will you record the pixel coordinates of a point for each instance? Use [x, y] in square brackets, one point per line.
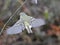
[25, 22]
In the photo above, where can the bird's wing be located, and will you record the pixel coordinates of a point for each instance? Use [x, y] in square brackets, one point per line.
[37, 22]
[16, 28]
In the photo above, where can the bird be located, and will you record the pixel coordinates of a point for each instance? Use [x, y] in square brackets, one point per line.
[25, 22]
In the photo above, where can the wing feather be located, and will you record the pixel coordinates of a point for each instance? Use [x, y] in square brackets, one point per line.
[16, 28]
[37, 22]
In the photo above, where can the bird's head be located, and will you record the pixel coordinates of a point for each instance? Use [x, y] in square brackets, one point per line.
[22, 14]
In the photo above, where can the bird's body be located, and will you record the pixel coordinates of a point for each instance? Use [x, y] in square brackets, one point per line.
[25, 17]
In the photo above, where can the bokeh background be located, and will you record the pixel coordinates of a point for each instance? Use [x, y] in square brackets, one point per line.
[48, 34]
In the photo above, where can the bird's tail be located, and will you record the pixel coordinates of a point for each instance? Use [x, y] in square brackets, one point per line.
[28, 27]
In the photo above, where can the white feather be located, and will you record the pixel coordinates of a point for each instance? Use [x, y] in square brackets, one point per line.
[38, 22]
[16, 28]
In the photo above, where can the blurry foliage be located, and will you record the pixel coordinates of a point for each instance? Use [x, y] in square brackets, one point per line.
[8, 7]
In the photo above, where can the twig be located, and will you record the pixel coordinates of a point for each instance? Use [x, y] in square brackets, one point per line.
[11, 17]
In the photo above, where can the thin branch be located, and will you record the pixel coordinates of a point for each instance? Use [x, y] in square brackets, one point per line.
[12, 16]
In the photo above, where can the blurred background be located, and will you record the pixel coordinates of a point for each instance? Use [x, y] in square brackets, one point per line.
[48, 34]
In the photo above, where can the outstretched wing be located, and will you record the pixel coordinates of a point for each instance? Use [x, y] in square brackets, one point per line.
[37, 22]
[16, 28]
